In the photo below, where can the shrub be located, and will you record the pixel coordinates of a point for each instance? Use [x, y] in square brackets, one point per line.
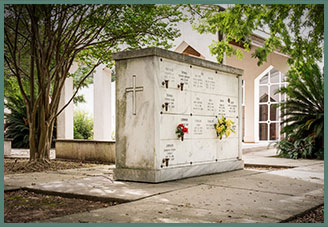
[303, 113]
[83, 125]
[293, 147]
[16, 126]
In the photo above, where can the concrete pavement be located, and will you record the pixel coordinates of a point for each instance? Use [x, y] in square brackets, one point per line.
[249, 195]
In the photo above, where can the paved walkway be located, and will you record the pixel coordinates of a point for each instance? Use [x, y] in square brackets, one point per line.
[247, 195]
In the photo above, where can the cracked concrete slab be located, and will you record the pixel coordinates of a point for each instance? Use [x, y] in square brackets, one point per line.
[268, 182]
[16, 181]
[105, 186]
[202, 203]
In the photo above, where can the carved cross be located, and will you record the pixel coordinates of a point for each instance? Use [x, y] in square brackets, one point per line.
[134, 90]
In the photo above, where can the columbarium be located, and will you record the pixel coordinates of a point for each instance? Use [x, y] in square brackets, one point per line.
[177, 116]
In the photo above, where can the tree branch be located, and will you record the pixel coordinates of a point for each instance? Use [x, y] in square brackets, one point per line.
[78, 87]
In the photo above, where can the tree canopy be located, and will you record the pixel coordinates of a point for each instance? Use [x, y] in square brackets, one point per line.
[43, 41]
[295, 30]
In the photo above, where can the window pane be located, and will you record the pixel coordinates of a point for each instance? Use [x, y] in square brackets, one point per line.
[263, 131]
[274, 97]
[263, 112]
[274, 76]
[283, 77]
[264, 79]
[263, 94]
[274, 131]
[283, 97]
[274, 113]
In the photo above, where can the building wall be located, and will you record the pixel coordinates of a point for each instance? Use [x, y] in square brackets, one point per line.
[251, 72]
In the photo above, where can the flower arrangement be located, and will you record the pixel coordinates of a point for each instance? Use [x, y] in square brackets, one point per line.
[181, 130]
[224, 127]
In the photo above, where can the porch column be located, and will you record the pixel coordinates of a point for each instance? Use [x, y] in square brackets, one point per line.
[102, 125]
[65, 119]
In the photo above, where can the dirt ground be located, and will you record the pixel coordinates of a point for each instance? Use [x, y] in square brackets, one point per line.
[22, 166]
[23, 206]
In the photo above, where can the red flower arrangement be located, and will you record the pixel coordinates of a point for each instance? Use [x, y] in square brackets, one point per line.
[181, 130]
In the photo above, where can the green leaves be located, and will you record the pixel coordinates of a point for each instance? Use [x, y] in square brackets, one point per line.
[295, 30]
[303, 111]
[43, 41]
[83, 125]
[16, 127]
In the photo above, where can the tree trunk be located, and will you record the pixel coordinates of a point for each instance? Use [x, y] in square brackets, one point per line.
[33, 147]
[41, 130]
[40, 142]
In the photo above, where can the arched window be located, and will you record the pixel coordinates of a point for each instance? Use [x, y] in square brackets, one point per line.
[267, 113]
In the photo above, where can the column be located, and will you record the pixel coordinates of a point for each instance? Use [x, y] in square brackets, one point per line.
[102, 117]
[65, 119]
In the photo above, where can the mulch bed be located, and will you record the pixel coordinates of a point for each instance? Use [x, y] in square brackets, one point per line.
[313, 216]
[22, 166]
[264, 167]
[23, 206]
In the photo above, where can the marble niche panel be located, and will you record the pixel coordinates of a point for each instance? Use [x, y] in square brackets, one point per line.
[227, 106]
[204, 80]
[174, 152]
[227, 85]
[172, 74]
[203, 150]
[227, 148]
[203, 127]
[174, 101]
[169, 125]
[204, 104]
[198, 104]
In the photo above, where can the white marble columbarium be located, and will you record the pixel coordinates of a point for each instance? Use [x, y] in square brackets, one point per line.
[156, 90]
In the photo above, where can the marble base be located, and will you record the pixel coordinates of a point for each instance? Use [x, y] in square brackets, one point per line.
[174, 173]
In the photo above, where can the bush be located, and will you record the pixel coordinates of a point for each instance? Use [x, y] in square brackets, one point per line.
[293, 147]
[16, 125]
[303, 113]
[83, 125]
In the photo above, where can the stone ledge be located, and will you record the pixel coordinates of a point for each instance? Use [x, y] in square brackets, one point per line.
[83, 141]
[155, 51]
[25, 153]
[86, 150]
